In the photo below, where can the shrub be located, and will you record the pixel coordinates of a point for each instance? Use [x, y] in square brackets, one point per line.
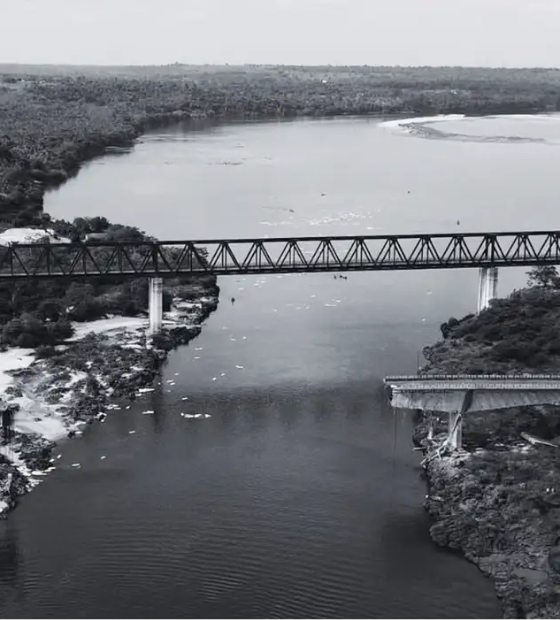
[45, 350]
[29, 332]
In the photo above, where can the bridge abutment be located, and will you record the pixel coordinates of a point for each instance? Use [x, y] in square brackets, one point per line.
[156, 305]
[487, 287]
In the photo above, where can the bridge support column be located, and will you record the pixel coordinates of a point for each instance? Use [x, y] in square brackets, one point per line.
[455, 432]
[487, 287]
[156, 305]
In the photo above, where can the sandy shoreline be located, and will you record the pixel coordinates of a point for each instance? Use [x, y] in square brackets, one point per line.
[56, 397]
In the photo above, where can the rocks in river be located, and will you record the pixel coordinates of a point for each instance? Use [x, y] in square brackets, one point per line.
[33, 450]
[12, 485]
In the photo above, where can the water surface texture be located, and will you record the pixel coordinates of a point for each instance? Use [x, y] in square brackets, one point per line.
[300, 496]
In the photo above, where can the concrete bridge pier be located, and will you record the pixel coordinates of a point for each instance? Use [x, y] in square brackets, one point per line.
[455, 430]
[487, 287]
[156, 305]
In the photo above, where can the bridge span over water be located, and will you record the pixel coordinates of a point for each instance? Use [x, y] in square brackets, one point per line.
[457, 395]
[169, 259]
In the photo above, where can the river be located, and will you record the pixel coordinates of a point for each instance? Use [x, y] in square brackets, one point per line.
[300, 496]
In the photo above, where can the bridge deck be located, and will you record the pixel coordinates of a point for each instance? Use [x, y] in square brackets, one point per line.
[169, 259]
[462, 393]
[430, 383]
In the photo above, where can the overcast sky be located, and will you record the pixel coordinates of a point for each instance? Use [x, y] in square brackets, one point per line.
[405, 32]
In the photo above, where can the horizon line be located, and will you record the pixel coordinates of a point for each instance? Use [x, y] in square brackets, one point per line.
[278, 65]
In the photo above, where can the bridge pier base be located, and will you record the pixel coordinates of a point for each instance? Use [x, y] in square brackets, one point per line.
[455, 430]
[156, 305]
[487, 287]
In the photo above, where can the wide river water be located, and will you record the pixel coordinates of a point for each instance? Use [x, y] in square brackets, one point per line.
[300, 496]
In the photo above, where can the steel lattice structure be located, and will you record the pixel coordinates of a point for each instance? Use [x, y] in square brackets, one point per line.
[279, 255]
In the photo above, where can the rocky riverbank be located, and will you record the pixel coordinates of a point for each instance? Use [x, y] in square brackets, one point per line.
[104, 366]
[498, 500]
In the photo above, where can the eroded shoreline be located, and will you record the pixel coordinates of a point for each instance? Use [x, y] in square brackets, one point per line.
[498, 500]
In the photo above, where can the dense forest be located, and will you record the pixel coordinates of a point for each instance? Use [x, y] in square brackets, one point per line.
[54, 118]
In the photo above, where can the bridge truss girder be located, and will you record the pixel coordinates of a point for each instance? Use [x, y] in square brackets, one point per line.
[279, 255]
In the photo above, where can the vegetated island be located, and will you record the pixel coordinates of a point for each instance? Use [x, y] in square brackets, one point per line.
[498, 500]
[52, 119]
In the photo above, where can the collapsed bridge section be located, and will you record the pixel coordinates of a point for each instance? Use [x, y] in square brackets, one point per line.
[457, 395]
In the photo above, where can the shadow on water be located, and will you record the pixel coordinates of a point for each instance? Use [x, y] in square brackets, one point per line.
[10, 563]
[403, 542]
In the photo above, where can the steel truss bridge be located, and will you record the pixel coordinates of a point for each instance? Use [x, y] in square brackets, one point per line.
[168, 259]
